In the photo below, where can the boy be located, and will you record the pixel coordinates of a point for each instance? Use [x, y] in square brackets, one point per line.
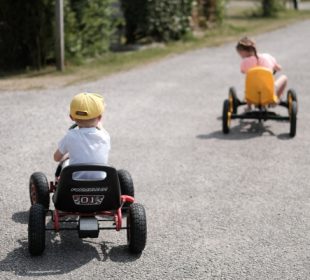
[90, 143]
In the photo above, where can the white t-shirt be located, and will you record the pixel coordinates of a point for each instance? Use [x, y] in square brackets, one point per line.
[86, 145]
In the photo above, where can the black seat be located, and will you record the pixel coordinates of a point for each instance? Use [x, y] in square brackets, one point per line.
[87, 195]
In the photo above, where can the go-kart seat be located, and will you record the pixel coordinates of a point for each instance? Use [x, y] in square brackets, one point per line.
[259, 87]
[87, 195]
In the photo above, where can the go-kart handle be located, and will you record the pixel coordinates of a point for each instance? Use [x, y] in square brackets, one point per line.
[73, 126]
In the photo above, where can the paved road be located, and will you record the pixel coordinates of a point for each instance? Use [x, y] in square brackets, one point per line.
[219, 207]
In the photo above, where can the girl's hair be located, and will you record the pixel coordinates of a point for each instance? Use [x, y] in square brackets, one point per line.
[246, 44]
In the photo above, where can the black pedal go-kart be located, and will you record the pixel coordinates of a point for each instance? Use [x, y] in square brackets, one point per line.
[86, 206]
[260, 93]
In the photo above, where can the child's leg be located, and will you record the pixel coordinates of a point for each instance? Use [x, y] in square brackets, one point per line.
[280, 85]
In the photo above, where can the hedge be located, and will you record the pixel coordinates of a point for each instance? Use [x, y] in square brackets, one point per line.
[27, 31]
[160, 20]
[271, 7]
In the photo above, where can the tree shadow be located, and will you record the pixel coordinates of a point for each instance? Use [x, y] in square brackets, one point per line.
[243, 131]
[64, 253]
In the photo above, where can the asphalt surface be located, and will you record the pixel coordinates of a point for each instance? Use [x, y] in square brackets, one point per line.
[218, 207]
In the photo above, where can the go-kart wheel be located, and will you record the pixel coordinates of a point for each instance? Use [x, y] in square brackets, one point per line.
[233, 99]
[39, 189]
[36, 230]
[293, 119]
[126, 183]
[136, 228]
[226, 116]
[291, 96]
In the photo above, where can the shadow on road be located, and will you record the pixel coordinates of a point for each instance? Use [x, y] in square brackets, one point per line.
[64, 253]
[20, 217]
[243, 131]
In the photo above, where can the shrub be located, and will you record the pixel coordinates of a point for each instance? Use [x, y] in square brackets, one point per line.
[26, 33]
[271, 7]
[160, 20]
[89, 27]
[213, 10]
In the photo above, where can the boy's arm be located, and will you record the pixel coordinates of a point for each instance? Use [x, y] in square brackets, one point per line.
[58, 156]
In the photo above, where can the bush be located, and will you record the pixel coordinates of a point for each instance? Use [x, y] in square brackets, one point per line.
[213, 10]
[271, 7]
[27, 31]
[73, 40]
[89, 27]
[26, 34]
[220, 10]
[160, 20]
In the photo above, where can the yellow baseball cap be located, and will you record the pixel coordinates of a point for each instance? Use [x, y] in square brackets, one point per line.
[86, 106]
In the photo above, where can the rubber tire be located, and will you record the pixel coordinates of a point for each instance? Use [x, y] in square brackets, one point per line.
[233, 94]
[225, 117]
[126, 183]
[39, 180]
[292, 92]
[36, 230]
[293, 119]
[136, 228]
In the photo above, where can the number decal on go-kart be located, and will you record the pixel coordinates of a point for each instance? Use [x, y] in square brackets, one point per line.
[88, 199]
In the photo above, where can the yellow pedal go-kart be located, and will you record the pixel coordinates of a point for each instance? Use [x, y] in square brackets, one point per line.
[260, 92]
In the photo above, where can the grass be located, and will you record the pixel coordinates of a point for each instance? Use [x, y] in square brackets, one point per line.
[238, 22]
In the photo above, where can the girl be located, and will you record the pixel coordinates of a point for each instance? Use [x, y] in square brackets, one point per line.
[250, 58]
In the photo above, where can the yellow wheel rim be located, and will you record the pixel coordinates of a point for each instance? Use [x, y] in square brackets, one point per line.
[228, 119]
[290, 101]
[231, 104]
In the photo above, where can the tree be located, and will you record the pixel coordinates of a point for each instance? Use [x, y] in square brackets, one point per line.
[271, 7]
[158, 20]
[212, 10]
[26, 33]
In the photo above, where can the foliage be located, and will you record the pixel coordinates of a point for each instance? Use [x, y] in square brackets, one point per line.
[212, 11]
[73, 41]
[89, 27]
[220, 10]
[26, 33]
[160, 20]
[270, 8]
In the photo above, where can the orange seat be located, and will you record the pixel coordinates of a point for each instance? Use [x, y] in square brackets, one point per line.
[259, 87]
